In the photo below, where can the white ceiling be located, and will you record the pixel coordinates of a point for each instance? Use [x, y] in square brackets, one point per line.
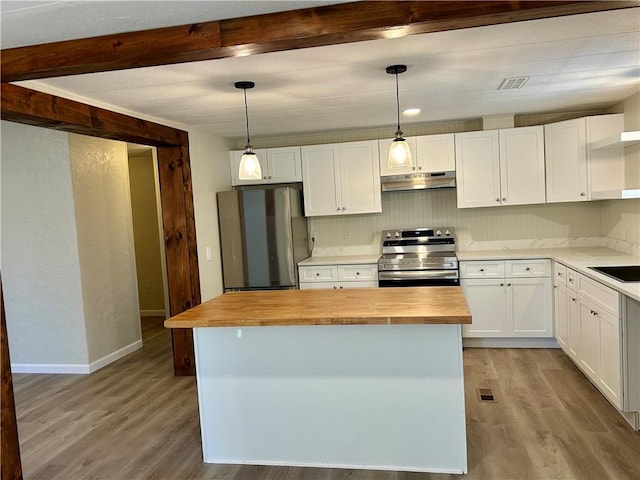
[587, 61]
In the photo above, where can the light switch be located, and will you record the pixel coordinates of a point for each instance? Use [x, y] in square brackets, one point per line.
[208, 253]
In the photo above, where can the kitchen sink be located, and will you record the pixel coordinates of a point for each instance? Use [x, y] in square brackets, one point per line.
[622, 273]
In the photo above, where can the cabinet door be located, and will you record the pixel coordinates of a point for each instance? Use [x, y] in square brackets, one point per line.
[360, 177]
[561, 316]
[566, 161]
[529, 310]
[573, 311]
[477, 169]
[436, 153]
[589, 340]
[610, 365]
[384, 145]
[522, 179]
[321, 180]
[284, 165]
[320, 273]
[486, 301]
[234, 163]
[358, 273]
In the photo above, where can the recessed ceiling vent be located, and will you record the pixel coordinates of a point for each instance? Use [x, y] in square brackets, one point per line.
[513, 83]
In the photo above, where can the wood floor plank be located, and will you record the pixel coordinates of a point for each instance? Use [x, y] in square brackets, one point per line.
[135, 420]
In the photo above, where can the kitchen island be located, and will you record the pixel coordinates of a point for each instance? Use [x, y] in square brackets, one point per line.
[362, 378]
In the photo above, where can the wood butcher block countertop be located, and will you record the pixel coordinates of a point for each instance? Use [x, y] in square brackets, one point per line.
[356, 306]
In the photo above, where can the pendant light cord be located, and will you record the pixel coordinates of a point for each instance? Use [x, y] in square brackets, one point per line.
[246, 114]
[398, 101]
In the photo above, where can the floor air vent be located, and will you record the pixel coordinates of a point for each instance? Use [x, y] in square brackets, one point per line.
[486, 395]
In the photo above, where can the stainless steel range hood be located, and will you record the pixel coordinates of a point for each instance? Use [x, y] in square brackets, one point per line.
[418, 181]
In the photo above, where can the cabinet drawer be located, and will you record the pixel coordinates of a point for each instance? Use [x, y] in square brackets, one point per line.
[600, 294]
[559, 274]
[572, 279]
[318, 274]
[528, 268]
[475, 269]
[357, 272]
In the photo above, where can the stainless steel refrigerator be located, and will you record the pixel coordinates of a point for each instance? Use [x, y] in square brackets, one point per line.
[263, 235]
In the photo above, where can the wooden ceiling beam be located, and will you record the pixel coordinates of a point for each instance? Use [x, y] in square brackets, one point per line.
[23, 105]
[309, 27]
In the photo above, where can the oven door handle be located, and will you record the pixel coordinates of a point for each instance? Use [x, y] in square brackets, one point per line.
[418, 274]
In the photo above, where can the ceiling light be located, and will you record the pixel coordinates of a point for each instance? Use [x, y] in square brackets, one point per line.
[249, 163]
[411, 112]
[399, 152]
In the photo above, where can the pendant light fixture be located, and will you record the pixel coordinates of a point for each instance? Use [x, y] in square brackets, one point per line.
[249, 164]
[399, 152]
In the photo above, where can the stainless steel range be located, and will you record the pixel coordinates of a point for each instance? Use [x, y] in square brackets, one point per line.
[418, 257]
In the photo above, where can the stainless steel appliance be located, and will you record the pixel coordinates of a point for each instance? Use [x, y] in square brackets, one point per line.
[418, 257]
[418, 181]
[263, 235]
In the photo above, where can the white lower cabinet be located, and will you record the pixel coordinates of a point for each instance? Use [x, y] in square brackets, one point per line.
[338, 276]
[509, 298]
[587, 320]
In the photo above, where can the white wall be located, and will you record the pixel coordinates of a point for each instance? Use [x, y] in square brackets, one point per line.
[210, 174]
[40, 261]
[104, 225]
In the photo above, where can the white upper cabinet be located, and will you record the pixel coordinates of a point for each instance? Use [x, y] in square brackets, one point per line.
[500, 167]
[478, 169]
[431, 153]
[522, 179]
[566, 161]
[279, 165]
[341, 178]
[576, 172]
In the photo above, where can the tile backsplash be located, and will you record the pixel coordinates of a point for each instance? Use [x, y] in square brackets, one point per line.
[611, 223]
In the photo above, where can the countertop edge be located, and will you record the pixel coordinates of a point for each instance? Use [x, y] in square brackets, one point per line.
[319, 322]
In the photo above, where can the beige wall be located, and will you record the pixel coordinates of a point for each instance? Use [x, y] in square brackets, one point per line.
[210, 173]
[102, 201]
[146, 233]
[631, 109]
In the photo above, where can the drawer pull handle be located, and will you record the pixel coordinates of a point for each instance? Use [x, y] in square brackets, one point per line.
[357, 273]
[317, 274]
[528, 268]
[482, 269]
[508, 284]
[502, 284]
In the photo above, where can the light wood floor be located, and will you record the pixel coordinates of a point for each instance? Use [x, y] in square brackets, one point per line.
[135, 420]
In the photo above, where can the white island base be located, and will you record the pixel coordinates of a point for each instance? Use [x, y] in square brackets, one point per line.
[381, 397]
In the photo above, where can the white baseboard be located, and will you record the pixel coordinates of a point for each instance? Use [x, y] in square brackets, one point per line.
[76, 368]
[510, 343]
[153, 313]
[49, 368]
[112, 357]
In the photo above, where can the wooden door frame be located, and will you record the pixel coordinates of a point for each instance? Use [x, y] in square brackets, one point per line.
[30, 107]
